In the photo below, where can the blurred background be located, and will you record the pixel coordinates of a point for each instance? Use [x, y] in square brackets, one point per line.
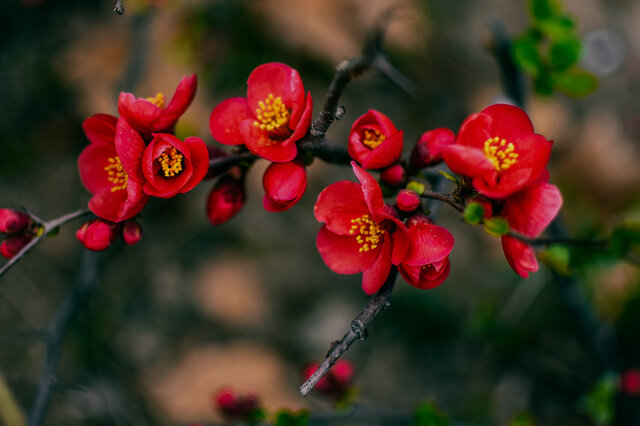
[248, 304]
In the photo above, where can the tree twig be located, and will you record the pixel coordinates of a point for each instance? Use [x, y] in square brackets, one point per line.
[358, 331]
[119, 8]
[445, 198]
[85, 284]
[47, 227]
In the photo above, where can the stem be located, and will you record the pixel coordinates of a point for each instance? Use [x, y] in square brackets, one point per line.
[445, 198]
[327, 151]
[119, 9]
[222, 164]
[557, 240]
[358, 331]
[46, 228]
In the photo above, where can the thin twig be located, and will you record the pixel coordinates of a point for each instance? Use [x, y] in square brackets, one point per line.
[326, 151]
[445, 198]
[222, 164]
[557, 240]
[47, 227]
[358, 331]
[85, 284]
[119, 9]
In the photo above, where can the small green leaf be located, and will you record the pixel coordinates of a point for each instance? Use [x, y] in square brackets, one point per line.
[526, 56]
[543, 84]
[427, 414]
[289, 418]
[558, 28]
[556, 258]
[543, 9]
[496, 226]
[564, 53]
[598, 404]
[448, 176]
[575, 82]
[416, 186]
[473, 213]
[54, 232]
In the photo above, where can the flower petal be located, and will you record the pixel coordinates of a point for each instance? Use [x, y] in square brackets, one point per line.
[370, 189]
[468, 161]
[374, 277]
[279, 80]
[129, 146]
[341, 253]
[475, 130]
[385, 154]
[199, 160]
[429, 244]
[339, 203]
[259, 143]
[521, 256]
[225, 119]
[531, 210]
[508, 122]
[100, 129]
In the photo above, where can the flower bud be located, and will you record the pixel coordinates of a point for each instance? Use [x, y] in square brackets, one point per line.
[393, 176]
[12, 221]
[131, 232]
[98, 234]
[284, 184]
[428, 149]
[236, 407]
[630, 382]
[407, 200]
[12, 245]
[225, 199]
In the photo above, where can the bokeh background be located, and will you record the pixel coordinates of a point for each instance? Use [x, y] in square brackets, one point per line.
[193, 308]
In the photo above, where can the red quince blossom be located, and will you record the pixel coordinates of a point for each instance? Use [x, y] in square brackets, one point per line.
[110, 169]
[13, 221]
[428, 150]
[131, 232]
[171, 166]
[13, 244]
[426, 264]
[360, 232]
[274, 115]
[284, 184]
[148, 115]
[498, 149]
[225, 199]
[393, 176]
[374, 142]
[337, 379]
[98, 234]
[407, 200]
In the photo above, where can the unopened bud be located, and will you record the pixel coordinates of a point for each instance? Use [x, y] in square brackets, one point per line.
[393, 176]
[13, 221]
[12, 245]
[225, 199]
[284, 184]
[428, 149]
[407, 200]
[98, 234]
[131, 232]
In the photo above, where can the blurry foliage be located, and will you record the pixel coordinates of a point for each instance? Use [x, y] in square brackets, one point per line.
[549, 52]
[428, 414]
[598, 404]
[290, 418]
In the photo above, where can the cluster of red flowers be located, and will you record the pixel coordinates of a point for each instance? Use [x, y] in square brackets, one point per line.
[136, 156]
[17, 228]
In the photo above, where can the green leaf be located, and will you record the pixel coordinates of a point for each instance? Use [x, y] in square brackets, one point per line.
[556, 258]
[558, 28]
[54, 232]
[598, 404]
[428, 415]
[563, 54]
[416, 186]
[543, 84]
[523, 419]
[473, 213]
[575, 82]
[543, 9]
[448, 176]
[496, 226]
[526, 56]
[289, 418]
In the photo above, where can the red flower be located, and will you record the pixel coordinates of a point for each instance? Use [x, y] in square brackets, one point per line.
[529, 212]
[171, 166]
[98, 234]
[110, 169]
[13, 244]
[360, 232]
[284, 184]
[374, 141]
[225, 199]
[428, 150]
[407, 200]
[393, 176]
[426, 264]
[274, 115]
[131, 232]
[148, 115]
[498, 150]
[337, 379]
[13, 221]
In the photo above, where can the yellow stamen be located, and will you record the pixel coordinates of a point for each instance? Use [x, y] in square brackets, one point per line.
[116, 174]
[171, 162]
[271, 114]
[157, 100]
[500, 153]
[372, 138]
[368, 233]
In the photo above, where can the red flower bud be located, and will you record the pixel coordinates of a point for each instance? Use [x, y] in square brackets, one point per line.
[284, 184]
[236, 407]
[12, 245]
[98, 234]
[374, 142]
[394, 175]
[630, 382]
[428, 149]
[12, 221]
[131, 232]
[225, 199]
[407, 200]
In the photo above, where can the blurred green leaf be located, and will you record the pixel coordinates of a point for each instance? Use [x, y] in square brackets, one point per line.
[418, 187]
[428, 414]
[448, 176]
[598, 404]
[558, 28]
[564, 53]
[473, 213]
[543, 84]
[289, 418]
[543, 9]
[556, 258]
[575, 82]
[496, 226]
[523, 419]
[526, 56]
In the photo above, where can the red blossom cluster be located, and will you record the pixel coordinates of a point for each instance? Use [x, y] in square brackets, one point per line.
[17, 228]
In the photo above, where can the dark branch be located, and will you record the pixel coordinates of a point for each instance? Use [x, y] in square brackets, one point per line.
[358, 331]
[85, 284]
[47, 227]
[326, 151]
[558, 240]
[119, 9]
[222, 164]
[445, 198]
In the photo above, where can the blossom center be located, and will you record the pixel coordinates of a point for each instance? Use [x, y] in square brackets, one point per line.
[373, 138]
[171, 162]
[271, 114]
[368, 233]
[157, 100]
[116, 174]
[500, 152]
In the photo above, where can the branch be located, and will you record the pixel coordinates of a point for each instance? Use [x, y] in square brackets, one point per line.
[557, 240]
[47, 227]
[358, 331]
[222, 164]
[326, 151]
[445, 198]
[85, 284]
[119, 9]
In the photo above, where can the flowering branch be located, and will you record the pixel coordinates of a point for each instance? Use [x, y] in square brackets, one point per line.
[85, 284]
[358, 331]
[45, 229]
